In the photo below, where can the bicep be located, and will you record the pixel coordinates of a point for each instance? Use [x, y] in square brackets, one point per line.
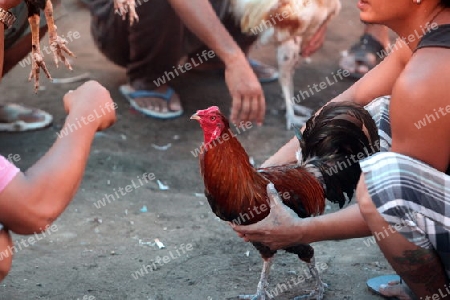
[381, 79]
[420, 122]
[16, 207]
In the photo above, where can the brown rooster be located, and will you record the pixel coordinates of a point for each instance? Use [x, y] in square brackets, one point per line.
[237, 192]
[58, 44]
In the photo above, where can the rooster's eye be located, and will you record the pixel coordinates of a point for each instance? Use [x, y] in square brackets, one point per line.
[212, 118]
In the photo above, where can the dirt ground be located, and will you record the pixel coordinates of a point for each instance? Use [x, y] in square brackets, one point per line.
[93, 253]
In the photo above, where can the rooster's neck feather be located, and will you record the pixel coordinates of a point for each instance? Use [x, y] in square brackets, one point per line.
[235, 186]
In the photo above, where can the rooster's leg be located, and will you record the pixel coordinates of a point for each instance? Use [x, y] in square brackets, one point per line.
[123, 7]
[57, 44]
[36, 54]
[317, 292]
[263, 282]
[288, 55]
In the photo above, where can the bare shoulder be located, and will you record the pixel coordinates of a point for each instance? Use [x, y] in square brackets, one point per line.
[420, 108]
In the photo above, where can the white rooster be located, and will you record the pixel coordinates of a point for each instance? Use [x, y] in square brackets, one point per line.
[287, 23]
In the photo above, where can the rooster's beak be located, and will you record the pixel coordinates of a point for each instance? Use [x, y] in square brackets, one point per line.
[195, 117]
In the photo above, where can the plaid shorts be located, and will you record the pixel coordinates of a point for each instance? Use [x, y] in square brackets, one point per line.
[410, 195]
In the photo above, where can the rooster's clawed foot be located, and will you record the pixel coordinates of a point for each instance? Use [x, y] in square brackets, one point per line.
[262, 284]
[37, 64]
[124, 7]
[293, 120]
[316, 294]
[58, 47]
[319, 290]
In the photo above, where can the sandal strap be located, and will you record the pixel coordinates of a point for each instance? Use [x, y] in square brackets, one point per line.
[368, 43]
[152, 94]
[11, 112]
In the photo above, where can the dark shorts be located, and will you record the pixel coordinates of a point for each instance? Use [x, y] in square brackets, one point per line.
[157, 42]
[21, 27]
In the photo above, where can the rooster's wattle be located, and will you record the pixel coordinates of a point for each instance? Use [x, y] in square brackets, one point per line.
[237, 192]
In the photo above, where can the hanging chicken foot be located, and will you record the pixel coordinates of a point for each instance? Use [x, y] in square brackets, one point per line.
[319, 290]
[124, 7]
[263, 282]
[57, 43]
[36, 54]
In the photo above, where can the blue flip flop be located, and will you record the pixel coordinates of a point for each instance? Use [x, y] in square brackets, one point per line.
[256, 64]
[374, 284]
[130, 94]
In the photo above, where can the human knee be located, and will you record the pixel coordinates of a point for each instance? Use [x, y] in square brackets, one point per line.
[35, 221]
[5, 254]
[366, 205]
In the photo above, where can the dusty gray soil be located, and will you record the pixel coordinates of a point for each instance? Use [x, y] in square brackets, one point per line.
[94, 252]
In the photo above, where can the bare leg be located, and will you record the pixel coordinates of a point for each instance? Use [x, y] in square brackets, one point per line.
[5, 261]
[263, 282]
[420, 268]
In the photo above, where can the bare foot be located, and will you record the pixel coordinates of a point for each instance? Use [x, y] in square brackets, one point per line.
[158, 104]
[396, 289]
[161, 103]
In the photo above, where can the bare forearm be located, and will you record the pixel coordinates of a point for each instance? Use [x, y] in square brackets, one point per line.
[283, 228]
[284, 155]
[200, 17]
[54, 170]
[42, 193]
[344, 224]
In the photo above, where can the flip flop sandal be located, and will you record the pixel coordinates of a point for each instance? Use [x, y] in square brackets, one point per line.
[367, 52]
[374, 284]
[130, 94]
[14, 117]
[264, 72]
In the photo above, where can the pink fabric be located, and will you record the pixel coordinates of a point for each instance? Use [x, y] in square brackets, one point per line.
[7, 172]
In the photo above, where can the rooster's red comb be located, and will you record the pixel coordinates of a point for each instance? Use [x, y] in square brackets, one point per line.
[211, 109]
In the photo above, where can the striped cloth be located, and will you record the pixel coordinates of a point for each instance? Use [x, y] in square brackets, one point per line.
[412, 197]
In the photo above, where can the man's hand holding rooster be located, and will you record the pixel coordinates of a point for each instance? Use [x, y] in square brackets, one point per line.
[280, 229]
